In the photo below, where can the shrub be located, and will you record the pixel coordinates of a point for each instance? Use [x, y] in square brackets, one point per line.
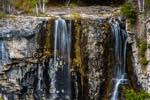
[24, 5]
[72, 5]
[142, 49]
[143, 61]
[76, 15]
[2, 14]
[131, 94]
[147, 3]
[129, 12]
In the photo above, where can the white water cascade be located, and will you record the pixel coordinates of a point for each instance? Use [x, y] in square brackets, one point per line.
[59, 71]
[121, 40]
[4, 57]
[141, 5]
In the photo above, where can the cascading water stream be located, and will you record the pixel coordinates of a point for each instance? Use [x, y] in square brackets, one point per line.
[59, 70]
[141, 5]
[121, 40]
[4, 57]
[68, 3]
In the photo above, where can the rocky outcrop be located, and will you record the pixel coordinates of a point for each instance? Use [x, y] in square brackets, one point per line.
[19, 42]
[95, 35]
[28, 43]
[148, 54]
[136, 64]
[27, 37]
[20, 35]
[142, 72]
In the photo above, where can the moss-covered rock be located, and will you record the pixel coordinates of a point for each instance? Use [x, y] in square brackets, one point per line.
[131, 94]
[128, 11]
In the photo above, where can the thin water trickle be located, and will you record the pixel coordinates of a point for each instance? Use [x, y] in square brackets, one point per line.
[141, 5]
[40, 73]
[4, 57]
[68, 2]
[121, 40]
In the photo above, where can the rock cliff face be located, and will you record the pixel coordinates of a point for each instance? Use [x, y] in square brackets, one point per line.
[27, 56]
[141, 71]
[148, 54]
[95, 37]
[19, 36]
[28, 45]
[92, 54]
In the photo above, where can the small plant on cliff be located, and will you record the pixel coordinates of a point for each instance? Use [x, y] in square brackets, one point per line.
[2, 14]
[75, 16]
[131, 94]
[143, 61]
[143, 47]
[129, 12]
[142, 50]
[147, 4]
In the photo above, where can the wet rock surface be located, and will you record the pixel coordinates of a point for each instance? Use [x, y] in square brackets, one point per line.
[28, 74]
[95, 35]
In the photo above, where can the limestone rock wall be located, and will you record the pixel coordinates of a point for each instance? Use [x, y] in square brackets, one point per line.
[142, 73]
[95, 36]
[20, 38]
[27, 37]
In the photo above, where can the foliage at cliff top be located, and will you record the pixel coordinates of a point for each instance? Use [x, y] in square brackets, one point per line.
[147, 6]
[87, 2]
[129, 12]
[2, 14]
[131, 94]
[147, 3]
[34, 2]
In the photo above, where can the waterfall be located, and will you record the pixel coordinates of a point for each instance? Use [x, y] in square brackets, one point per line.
[59, 70]
[39, 77]
[68, 2]
[121, 40]
[4, 57]
[141, 5]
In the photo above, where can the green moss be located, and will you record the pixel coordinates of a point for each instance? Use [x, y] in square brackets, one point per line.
[72, 5]
[48, 39]
[147, 3]
[77, 59]
[143, 61]
[76, 51]
[76, 42]
[129, 12]
[131, 94]
[76, 16]
[142, 49]
[2, 15]
[148, 46]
